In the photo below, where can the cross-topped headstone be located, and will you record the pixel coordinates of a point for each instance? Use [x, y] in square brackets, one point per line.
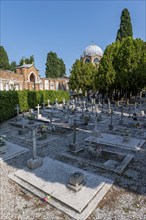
[22, 122]
[17, 108]
[38, 108]
[48, 102]
[122, 113]
[74, 131]
[34, 144]
[109, 104]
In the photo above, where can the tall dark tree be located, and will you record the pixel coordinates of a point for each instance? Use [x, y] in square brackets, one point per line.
[4, 61]
[125, 29]
[55, 66]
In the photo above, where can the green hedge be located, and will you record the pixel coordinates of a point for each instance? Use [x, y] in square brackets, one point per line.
[26, 100]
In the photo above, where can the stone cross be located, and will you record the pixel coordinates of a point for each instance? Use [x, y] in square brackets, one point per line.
[34, 144]
[38, 107]
[48, 103]
[17, 108]
[135, 106]
[22, 122]
[109, 104]
[95, 122]
[74, 131]
[73, 104]
[111, 116]
[122, 112]
[51, 116]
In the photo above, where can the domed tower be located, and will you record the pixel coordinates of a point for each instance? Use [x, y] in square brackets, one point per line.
[93, 54]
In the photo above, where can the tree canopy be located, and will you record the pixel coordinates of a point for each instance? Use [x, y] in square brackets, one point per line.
[123, 67]
[4, 61]
[55, 66]
[29, 60]
[125, 29]
[82, 76]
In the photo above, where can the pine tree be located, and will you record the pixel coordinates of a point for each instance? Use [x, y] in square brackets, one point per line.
[4, 61]
[125, 29]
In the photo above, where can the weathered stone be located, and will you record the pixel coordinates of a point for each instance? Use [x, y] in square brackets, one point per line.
[34, 163]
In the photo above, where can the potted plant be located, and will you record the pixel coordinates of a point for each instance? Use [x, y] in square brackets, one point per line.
[2, 143]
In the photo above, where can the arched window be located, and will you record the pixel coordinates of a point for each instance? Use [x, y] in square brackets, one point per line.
[32, 78]
[87, 60]
[96, 60]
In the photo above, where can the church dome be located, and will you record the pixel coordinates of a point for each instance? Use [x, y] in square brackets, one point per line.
[92, 50]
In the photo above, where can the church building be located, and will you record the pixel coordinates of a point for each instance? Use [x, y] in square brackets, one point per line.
[27, 77]
[93, 54]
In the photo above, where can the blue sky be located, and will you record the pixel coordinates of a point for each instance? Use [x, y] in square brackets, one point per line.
[65, 27]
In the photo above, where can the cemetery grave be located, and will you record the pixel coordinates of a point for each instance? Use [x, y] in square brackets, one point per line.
[54, 182]
[125, 142]
[90, 160]
[100, 157]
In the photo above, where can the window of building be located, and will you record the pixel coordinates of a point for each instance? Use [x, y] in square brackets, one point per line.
[96, 60]
[87, 60]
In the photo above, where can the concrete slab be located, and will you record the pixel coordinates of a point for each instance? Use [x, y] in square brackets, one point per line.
[117, 141]
[52, 178]
[46, 120]
[28, 138]
[12, 151]
[114, 166]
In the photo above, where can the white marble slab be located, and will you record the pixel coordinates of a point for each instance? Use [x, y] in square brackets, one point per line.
[53, 177]
[117, 141]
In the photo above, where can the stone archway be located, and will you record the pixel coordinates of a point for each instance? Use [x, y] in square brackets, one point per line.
[32, 81]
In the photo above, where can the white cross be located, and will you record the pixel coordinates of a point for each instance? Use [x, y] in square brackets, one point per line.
[38, 107]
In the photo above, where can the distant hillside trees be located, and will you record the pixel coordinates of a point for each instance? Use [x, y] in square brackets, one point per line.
[125, 29]
[55, 66]
[4, 61]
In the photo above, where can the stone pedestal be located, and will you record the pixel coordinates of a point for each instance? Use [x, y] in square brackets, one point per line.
[110, 127]
[75, 148]
[34, 163]
[22, 131]
[76, 181]
[39, 116]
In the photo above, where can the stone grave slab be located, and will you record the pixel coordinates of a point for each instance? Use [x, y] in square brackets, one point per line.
[114, 165]
[12, 151]
[52, 179]
[13, 134]
[46, 120]
[117, 141]
[26, 123]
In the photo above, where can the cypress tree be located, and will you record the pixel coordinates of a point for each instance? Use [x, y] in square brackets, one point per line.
[4, 61]
[125, 29]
